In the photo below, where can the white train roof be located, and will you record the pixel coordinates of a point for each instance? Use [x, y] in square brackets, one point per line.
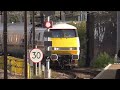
[63, 26]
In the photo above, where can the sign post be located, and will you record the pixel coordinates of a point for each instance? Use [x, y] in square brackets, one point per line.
[36, 56]
[25, 44]
[40, 71]
[33, 43]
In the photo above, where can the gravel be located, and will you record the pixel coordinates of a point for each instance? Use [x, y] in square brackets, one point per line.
[55, 75]
[10, 76]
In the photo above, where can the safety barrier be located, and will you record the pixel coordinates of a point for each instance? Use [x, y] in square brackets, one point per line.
[14, 65]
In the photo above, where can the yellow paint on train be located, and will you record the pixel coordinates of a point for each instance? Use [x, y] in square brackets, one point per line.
[64, 52]
[65, 42]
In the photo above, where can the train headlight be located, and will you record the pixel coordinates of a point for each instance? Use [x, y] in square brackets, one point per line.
[71, 49]
[55, 48]
[74, 48]
[64, 48]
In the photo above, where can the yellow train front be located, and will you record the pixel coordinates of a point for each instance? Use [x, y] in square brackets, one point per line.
[65, 45]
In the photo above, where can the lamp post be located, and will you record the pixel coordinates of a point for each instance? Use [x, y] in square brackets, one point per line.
[25, 44]
[5, 44]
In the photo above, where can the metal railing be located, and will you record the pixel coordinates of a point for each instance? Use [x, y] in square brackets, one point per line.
[14, 66]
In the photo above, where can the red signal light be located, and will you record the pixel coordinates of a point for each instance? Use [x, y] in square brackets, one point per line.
[48, 24]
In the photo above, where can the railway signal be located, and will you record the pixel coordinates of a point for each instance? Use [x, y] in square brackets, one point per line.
[48, 24]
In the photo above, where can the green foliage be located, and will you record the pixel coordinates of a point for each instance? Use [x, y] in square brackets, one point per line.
[102, 60]
[81, 62]
[13, 18]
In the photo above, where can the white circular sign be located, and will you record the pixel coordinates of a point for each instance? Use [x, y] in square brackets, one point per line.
[47, 24]
[36, 55]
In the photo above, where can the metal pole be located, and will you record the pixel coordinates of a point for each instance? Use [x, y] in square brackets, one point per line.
[48, 60]
[30, 65]
[88, 41]
[116, 58]
[40, 69]
[81, 16]
[90, 38]
[36, 71]
[48, 74]
[36, 68]
[5, 44]
[60, 16]
[42, 16]
[117, 30]
[25, 36]
[33, 22]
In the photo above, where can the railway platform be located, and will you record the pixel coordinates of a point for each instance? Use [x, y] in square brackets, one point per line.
[109, 72]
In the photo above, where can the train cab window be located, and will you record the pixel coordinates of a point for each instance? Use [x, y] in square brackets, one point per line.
[69, 33]
[56, 33]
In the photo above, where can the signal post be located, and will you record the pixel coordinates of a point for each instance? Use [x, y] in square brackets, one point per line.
[48, 43]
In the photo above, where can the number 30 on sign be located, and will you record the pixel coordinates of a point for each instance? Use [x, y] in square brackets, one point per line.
[36, 55]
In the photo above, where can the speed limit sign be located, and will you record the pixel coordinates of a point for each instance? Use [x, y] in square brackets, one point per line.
[36, 55]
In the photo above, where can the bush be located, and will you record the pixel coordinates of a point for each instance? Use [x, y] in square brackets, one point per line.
[82, 59]
[102, 60]
[81, 62]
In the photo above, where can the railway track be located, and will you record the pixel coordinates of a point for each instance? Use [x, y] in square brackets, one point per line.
[71, 75]
[79, 73]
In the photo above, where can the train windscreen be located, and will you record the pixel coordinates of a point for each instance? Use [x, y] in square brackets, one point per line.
[64, 33]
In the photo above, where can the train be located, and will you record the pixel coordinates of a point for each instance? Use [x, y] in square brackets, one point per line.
[65, 49]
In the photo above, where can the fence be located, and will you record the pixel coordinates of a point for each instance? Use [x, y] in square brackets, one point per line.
[15, 66]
